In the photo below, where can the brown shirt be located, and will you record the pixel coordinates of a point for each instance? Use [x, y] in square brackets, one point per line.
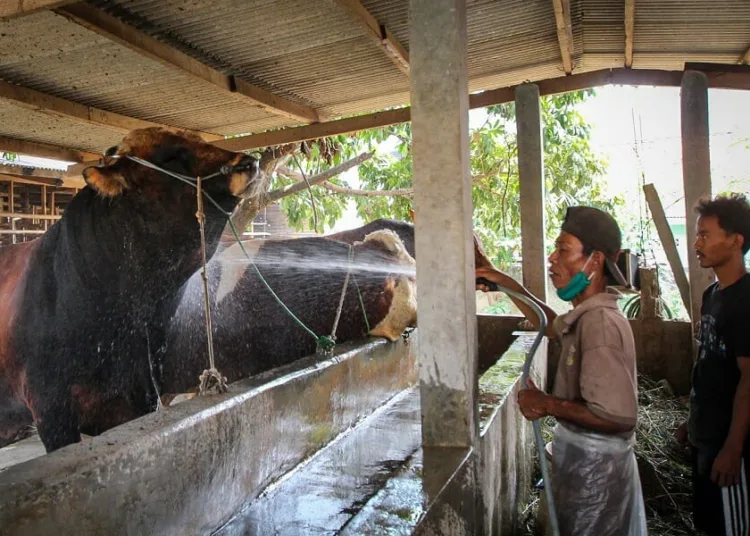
[597, 362]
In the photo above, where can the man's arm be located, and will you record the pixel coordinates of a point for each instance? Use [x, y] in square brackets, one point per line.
[504, 280]
[726, 468]
[535, 404]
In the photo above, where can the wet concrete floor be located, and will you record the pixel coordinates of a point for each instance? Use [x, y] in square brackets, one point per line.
[367, 481]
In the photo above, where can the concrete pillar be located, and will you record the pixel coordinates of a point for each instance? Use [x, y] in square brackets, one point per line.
[696, 174]
[531, 178]
[447, 349]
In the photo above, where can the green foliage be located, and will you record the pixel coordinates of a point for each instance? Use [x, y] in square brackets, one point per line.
[571, 172]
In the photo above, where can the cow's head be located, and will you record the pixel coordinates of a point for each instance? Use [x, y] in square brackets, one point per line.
[182, 153]
[396, 308]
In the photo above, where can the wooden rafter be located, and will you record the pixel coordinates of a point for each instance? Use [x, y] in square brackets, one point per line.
[717, 78]
[18, 8]
[28, 171]
[112, 28]
[49, 104]
[64, 182]
[378, 33]
[45, 150]
[629, 31]
[564, 33]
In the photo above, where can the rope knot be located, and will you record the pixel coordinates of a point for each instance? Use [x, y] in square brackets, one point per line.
[325, 345]
[212, 381]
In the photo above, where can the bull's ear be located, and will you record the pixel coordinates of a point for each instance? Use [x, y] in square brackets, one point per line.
[105, 180]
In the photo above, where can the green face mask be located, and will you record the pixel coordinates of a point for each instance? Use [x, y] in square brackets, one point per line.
[578, 284]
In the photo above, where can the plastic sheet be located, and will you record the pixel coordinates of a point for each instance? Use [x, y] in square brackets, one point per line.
[595, 484]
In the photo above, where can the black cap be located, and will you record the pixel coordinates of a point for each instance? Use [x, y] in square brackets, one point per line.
[599, 231]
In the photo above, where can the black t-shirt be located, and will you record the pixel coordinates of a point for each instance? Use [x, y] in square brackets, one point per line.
[723, 337]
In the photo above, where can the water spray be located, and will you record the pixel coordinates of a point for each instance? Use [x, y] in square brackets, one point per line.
[526, 369]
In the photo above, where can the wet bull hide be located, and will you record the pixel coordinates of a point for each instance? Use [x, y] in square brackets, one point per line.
[83, 309]
[405, 231]
[251, 331]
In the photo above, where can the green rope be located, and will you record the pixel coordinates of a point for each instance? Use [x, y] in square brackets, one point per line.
[361, 303]
[324, 344]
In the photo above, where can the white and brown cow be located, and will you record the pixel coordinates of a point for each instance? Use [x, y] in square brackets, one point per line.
[252, 332]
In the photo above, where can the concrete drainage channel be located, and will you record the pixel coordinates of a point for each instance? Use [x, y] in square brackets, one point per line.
[189, 468]
[318, 447]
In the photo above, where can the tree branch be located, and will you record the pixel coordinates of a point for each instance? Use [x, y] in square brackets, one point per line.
[280, 193]
[405, 192]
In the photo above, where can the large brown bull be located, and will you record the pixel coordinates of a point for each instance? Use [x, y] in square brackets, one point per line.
[83, 308]
[253, 333]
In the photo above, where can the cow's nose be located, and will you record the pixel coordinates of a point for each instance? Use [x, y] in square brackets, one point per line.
[250, 164]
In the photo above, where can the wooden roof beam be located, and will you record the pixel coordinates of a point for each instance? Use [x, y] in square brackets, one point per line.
[49, 104]
[564, 33]
[378, 33]
[629, 31]
[112, 28]
[46, 150]
[17, 8]
[28, 171]
[65, 182]
[719, 76]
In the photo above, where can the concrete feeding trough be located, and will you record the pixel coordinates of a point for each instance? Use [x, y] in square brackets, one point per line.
[317, 446]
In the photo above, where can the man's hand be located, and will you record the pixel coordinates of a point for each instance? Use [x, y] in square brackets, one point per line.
[727, 465]
[490, 274]
[681, 434]
[532, 402]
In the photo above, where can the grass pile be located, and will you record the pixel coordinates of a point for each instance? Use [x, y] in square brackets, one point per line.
[664, 466]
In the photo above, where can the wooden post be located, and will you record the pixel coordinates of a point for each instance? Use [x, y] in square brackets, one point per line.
[696, 174]
[44, 206]
[531, 179]
[11, 207]
[649, 293]
[668, 243]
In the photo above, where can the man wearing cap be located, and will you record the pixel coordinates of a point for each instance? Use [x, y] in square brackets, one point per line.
[595, 484]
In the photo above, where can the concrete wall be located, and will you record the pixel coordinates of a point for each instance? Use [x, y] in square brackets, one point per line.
[187, 469]
[482, 491]
[507, 446]
[495, 334]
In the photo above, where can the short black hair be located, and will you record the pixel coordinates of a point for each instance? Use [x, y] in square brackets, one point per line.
[733, 212]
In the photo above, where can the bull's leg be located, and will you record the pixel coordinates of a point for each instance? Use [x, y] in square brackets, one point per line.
[57, 423]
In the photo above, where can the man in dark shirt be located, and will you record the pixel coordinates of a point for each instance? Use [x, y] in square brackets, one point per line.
[719, 421]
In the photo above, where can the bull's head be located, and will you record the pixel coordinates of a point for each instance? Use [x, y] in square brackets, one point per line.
[397, 310]
[182, 153]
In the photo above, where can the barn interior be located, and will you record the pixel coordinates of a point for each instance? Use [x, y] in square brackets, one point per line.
[422, 437]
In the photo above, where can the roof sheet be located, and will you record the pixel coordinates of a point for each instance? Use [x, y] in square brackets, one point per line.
[312, 53]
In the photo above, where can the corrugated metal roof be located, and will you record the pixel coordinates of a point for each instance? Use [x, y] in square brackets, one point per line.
[313, 53]
[25, 124]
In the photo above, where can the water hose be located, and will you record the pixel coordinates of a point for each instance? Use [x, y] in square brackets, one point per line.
[526, 369]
